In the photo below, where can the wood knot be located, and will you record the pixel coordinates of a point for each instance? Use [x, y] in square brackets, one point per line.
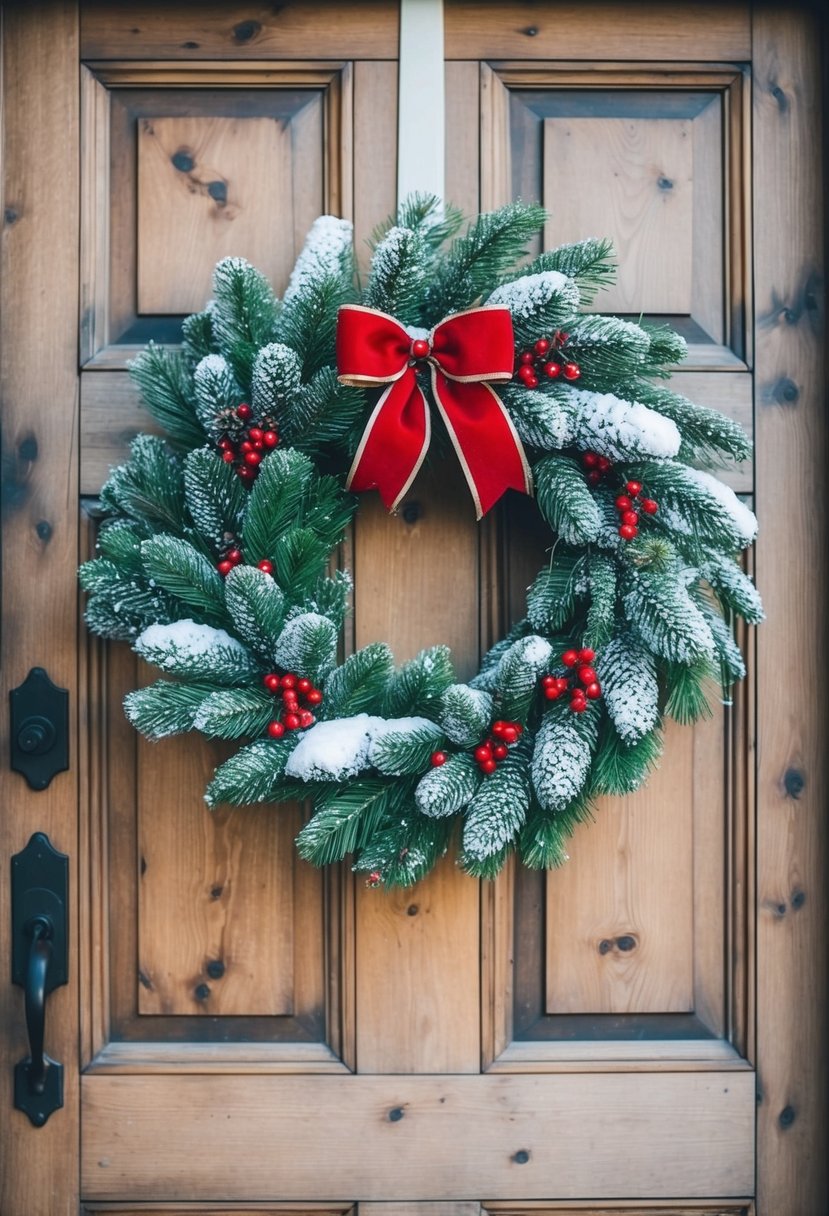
[411, 512]
[794, 783]
[201, 992]
[521, 1157]
[218, 192]
[245, 30]
[786, 392]
[787, 1117]
[664, 183]
[530, 31]
[183, 160]
[626, 942]
[215, 969]
[396, 1114]
[412, 910]
[780, 97]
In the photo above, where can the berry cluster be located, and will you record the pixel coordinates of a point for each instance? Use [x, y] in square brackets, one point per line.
[546, 358]
[298, 696]
[234, 557]
[245, 446]
[581, 681]
[626, 505]
[491, 750]
[597, 466]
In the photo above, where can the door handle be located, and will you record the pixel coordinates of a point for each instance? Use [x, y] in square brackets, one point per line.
[40, 956]
[40, 877]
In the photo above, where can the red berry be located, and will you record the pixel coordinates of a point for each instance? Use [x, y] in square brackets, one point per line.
[634, 488]
[225, 444]
[255, 434]
[552, 370]
[500, 751]
[304, 685]
[497, 728]
[518, 727]
[526, 373]
[228, 457]
[289, 697]
[542, 346]
[243, 411]
[630, 517]
[623, 503]
[291, 721]
[627, 531]
[509, 734]
[561, 336]
[482, 752]
[224, 568]
[276, 730]
[253, 458]
[288, 680]
[548, 681]
[590, 460]
[594, 477]
[314, 697]
[271, 682]
[375, 878]
[306, 718]
[572, 371]
[234, 555]
[265, 566]
[586, 655]
[604, 464]
[527, 357]
[245, 473]
[570, 658]
[270, 439]
[246, 446]
[488, 766]
[532, 383]
[649, 506]
[587, 675]
[420, 348]
[439, 758]
[552, 692]
[593, 691]
[578, 707]
[561, 684]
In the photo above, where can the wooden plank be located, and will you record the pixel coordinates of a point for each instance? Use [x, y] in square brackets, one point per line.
[192, 29]
[410, 1138]
[630, 179]
[792, 1039]
[375, 151]
[210, 188]
[596, 29]
[459, 1208]
[644, 1207]
[620, 913]
[38, 389]
[199, 952]
[462, 144]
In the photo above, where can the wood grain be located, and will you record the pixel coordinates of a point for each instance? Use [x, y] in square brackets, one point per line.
[209, 188]
[418, 1138]
[462, 144]
[374, 151]
[620, 913]
[303, 29]
[39, 393]
[630, 179]
[639, 30]
[792, 1040]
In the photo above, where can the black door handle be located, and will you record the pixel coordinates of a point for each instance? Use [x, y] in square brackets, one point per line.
[40, 960]
[40, 955]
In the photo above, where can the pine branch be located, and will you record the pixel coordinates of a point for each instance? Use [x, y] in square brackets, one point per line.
[561, 759]
[518, 674]
[307, 646]
[551, 600]
[498, 809]
[214, 495]
[346, 818]
[165, 708]
[198, 653]
[670, 623]
[601, 580]
[179, 568]
[478, 259]
[398, 275]
[565, 500]
[419, 684]
[149, 486]
[447, 789]
[539, 304]
[162, 377]
[627, 674]
[251, 775]
[588, 262]
[734, 589]
[406, 750]
[229, 713]
[217, 394]
[404, 852]
[465, 714]
[689, 686]
[541, 420]
[620, 768]
[257, 608]
[244, 314]
[359, 685]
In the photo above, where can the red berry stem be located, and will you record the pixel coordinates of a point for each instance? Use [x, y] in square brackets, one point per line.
[298, 695]
[580, 681]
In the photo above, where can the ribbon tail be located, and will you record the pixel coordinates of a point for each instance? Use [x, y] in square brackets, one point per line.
[394, 443]
[485, 439]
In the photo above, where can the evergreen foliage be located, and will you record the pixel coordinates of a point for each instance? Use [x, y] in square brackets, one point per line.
[216, 560]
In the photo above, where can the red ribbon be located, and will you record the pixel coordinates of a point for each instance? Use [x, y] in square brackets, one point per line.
[463, 352]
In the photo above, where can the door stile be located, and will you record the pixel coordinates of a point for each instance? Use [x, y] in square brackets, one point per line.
[38, 385]
[791, 909]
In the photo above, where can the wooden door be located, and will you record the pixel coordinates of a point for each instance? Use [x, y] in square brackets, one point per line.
[643, 1031]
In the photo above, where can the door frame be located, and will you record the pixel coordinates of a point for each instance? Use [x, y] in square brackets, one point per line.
[40, 620]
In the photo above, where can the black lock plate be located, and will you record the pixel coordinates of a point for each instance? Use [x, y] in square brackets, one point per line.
[39, 729]
[40, 887]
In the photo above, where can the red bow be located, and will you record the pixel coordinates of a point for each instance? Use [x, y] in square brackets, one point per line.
[463, 352]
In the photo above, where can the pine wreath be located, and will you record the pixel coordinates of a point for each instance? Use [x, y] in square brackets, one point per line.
[215, 551]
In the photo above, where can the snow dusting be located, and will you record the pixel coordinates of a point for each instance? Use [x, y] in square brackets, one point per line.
[322, 254]
[531, 293]
[621, 430]
[182, 641]
[335, 750]
[745, 521]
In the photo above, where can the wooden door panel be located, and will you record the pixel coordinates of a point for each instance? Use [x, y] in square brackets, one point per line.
[454, 1137]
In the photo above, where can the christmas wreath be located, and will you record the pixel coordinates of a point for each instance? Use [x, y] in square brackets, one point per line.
[216, 549]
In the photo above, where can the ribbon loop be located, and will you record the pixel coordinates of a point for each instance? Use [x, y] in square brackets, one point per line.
[465, 351]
